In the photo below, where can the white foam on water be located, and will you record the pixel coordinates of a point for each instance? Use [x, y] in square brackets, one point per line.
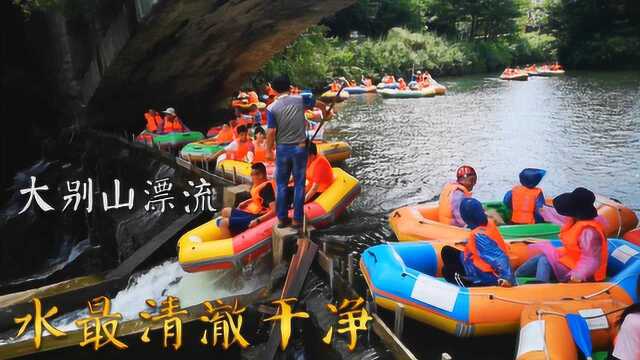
[157, 283]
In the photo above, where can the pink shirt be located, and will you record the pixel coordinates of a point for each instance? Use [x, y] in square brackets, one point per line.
[456, 199]
[628, 341]
[590, 243]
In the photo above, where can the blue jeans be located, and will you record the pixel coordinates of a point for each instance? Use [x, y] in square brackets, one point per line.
[537, 266]
[290, 160]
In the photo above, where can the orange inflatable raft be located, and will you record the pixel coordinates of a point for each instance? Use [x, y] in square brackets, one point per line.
[421, 222]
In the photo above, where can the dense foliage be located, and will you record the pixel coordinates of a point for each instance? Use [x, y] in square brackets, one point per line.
[596, 33]
[314, 58]
[462, 36]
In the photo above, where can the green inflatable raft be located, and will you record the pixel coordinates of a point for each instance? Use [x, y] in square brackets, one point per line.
[541, 231]
[204, 150]
[177, 139]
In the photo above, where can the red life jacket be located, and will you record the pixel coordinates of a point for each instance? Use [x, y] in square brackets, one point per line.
[153, 121]
[523, 204]
[471, 251]
[259, 152]
[225, 136]
[320, 163]
[174, 125]
[241, 151]
[570, 253]
[256, 206]
[445, 213]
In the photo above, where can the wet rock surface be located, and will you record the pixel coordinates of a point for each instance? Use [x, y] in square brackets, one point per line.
[193, 54]
[37, 241]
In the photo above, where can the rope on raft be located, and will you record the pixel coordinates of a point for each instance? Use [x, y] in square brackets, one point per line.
[549, 312]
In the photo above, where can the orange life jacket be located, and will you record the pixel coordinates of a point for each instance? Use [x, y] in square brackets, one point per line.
[402, 84]
[256, 205]
[523, 204]
[225, 136]
[318, 163]
[471, 251]
[334, 87]
[570, 253]
[389, 79]
[173, 125]
[153, 121]
[445, 213]
[259, 152]
[241, 151]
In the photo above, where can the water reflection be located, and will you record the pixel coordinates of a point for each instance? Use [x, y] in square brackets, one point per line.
[583, 128]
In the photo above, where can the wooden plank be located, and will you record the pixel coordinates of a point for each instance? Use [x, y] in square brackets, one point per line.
[125, 328]
[399, 351]
[298, 269]
[65, 300]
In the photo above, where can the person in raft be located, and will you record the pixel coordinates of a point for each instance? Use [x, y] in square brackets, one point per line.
[260, 145]
[225, 136]
[240, 149]
[154, 121]
[627, 342]
[583, 255]
[259, 208]
[453, 193]
[402, 85]
[526, 200]
[171, 122]
[319, 174]
[485, 260]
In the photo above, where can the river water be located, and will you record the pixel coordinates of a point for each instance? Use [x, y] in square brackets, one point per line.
[583, 128]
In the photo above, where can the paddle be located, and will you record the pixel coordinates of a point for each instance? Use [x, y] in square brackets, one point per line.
[580, 332]
[333, 103]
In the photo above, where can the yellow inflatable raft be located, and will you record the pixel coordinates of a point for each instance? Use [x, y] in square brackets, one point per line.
[207, 247]
[241, 171]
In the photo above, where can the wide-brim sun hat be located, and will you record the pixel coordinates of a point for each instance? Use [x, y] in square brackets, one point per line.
[578, 204]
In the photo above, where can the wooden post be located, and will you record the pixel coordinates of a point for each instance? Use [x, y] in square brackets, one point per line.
[278, 238]
[350, 269]
[398, 324]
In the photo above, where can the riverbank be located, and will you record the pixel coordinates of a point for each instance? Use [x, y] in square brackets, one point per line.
[315, 58]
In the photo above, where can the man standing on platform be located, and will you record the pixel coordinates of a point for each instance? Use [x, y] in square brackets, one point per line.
[287, 133]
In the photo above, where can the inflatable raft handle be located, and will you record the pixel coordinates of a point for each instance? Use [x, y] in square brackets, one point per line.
[375, 258]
